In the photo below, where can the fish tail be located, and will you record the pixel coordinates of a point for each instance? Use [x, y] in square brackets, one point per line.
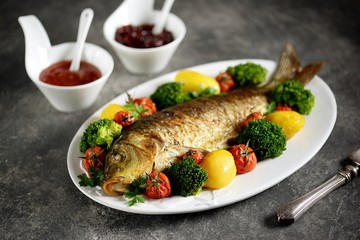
[289, 68]
[308, 72]
[288, 64]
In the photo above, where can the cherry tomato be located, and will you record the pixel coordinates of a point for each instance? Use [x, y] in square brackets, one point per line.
[94, 156]
[252, 117]
[148, 104]
[226, 81]
[124, 118]
[244, 157]
[157, 185]
[283, 108]
[195, 154]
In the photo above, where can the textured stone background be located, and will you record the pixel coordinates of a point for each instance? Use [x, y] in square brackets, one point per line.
[37, 197]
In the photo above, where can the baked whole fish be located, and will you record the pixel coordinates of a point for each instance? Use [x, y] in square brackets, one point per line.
[209, 123]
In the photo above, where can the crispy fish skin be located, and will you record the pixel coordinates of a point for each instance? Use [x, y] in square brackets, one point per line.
[206, 123]
[154, 142]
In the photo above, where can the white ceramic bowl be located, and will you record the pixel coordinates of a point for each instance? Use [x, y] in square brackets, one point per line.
[145, 60]
[74, 98]
[39, 54]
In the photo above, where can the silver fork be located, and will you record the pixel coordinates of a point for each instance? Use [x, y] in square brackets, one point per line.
[292, 211]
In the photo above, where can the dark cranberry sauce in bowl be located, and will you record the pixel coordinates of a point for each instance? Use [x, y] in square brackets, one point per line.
[142, 36]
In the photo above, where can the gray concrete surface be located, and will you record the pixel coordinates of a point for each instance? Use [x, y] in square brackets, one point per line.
[37, 197]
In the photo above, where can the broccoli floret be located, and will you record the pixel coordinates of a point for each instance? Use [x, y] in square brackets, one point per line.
[169, 94]
[294, 95]
[100, 133]
[266, 138]
[186, 177]
[248, 74]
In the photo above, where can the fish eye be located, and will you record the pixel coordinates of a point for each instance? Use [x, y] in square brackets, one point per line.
[119, 157]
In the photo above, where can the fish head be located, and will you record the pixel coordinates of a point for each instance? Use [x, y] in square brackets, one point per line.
[130, 157]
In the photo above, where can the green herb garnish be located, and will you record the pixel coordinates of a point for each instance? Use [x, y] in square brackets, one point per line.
[95, 179]
[134, 194]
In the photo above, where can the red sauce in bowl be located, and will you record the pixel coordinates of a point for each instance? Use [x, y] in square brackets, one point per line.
[60, 75]
[142, 36]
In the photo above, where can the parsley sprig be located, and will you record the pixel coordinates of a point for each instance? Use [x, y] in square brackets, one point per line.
[96, 176]
[135, 109]
[136, 189]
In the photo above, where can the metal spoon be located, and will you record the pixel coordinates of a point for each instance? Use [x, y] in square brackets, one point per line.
[84, 25]
[292, 211]
[160, 23]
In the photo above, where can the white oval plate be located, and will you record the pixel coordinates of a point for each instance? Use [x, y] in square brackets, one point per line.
[300, 149]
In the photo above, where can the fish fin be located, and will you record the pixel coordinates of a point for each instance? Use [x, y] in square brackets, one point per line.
[288, 64]
[289, 68]
[171, 154]
[308, 72]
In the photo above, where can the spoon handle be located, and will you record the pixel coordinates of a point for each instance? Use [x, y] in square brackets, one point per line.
[84, 26]
[295, 209]
[159, 25]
